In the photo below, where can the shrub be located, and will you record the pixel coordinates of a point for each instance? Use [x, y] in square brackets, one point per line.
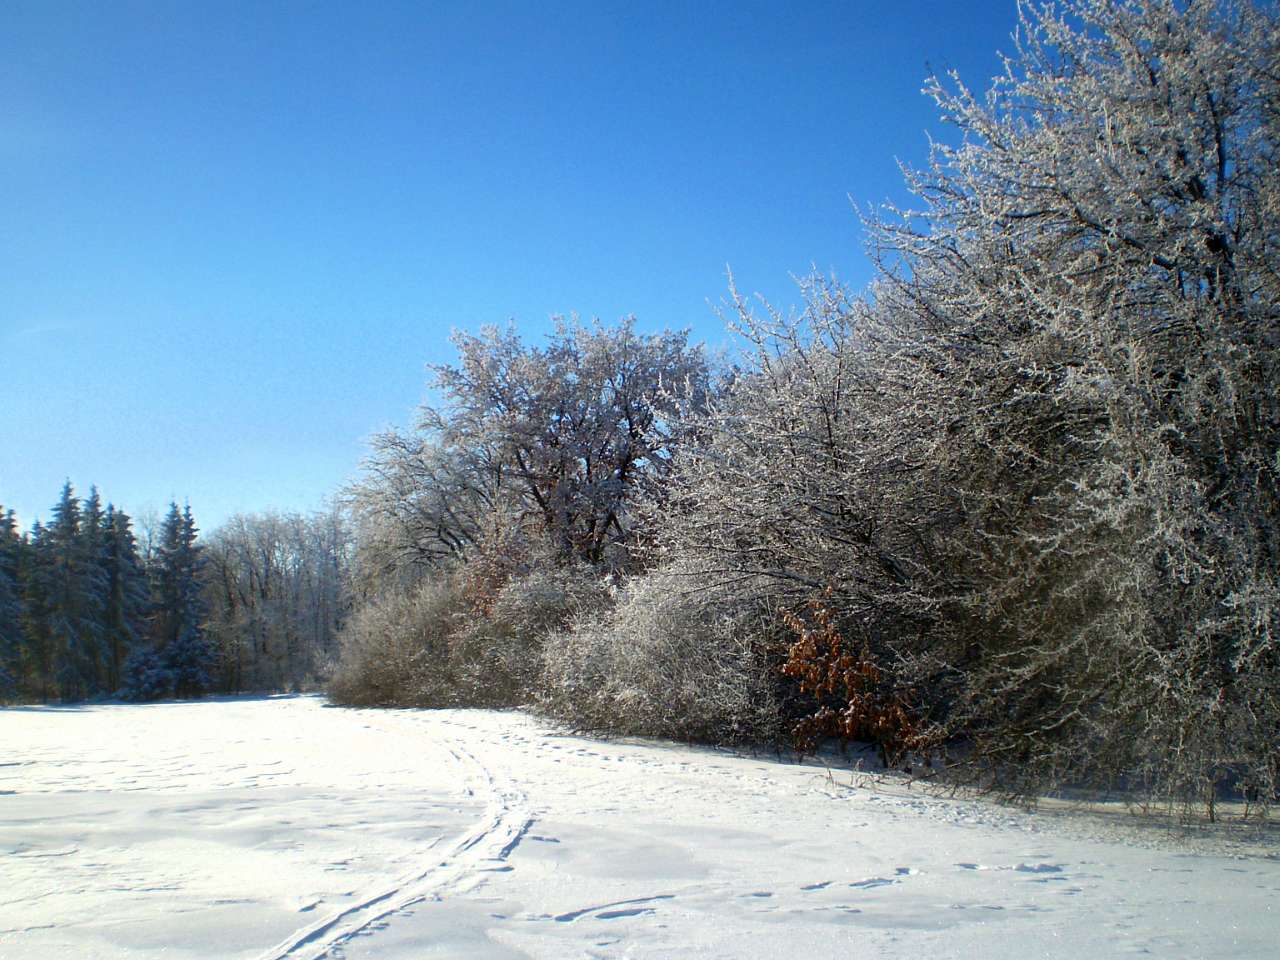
[144, 676]
[394, 650]
[852, 696]
[496, 653]
[664, 661]
[443, 644]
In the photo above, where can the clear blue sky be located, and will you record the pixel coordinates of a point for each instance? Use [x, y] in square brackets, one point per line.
[232, 235]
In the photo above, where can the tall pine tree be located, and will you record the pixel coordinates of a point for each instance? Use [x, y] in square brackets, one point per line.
[10, 607]
[93, 552]
[180, 609]
[38, 655]
[127, 598]
[70, 579]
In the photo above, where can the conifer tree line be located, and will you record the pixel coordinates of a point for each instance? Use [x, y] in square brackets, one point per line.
[82, 614]
[1011, 513]
[87, 611]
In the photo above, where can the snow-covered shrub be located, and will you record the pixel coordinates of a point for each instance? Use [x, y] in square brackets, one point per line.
[189, 659]
[394, 649]
[665, 661]
[144, 676]
[496, 653]
[434, 645]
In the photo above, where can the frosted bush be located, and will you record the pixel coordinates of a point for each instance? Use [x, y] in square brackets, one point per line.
[664, 661]
[496, 655]
[395, 649]
[1034, 472]
[435, 645]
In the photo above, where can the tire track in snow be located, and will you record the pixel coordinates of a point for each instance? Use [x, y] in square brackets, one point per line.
[506, 821]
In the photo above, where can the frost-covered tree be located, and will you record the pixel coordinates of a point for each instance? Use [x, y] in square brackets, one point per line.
[503, 511]
[556, 440]
[1094, 289]
[421, 502]
[1034, 477]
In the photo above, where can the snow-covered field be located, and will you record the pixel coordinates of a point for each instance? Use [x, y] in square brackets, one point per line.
[283, 828]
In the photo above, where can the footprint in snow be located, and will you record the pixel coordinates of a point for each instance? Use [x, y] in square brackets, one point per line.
[573, 915]
[872, 882]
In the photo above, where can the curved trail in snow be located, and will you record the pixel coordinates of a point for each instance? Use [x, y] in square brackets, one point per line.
[506, 821]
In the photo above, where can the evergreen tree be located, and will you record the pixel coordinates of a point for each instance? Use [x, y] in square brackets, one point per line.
[144, 676]
[180, 609]
[93, 550]
[73, 589]
[38, 647]
[127, 599]
[10, 607]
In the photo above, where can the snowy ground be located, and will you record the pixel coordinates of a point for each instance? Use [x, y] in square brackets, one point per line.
[282, 828]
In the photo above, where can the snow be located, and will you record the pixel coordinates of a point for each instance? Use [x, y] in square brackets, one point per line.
[282, 828]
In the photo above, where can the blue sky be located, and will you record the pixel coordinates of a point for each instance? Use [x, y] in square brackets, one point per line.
[232, 235]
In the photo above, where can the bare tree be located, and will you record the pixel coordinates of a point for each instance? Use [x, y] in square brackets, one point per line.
[278, 587]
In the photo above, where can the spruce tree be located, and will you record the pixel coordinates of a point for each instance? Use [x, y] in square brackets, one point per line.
[72, 586]
[127, 598]
[38, 646]
[180, 611]
[93, 547]
[10, 607]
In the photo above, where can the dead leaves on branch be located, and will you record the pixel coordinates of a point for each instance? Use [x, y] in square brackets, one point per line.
[855, 698]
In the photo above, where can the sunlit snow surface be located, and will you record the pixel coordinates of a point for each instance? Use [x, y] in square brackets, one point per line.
[283, 828]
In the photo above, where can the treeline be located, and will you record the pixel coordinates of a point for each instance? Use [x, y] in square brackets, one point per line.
[84, 613]
[278, 588]
[87, 612]
[1012, 512]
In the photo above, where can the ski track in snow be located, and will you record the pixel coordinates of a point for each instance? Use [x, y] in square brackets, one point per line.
[484, 848]
[214, 829]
